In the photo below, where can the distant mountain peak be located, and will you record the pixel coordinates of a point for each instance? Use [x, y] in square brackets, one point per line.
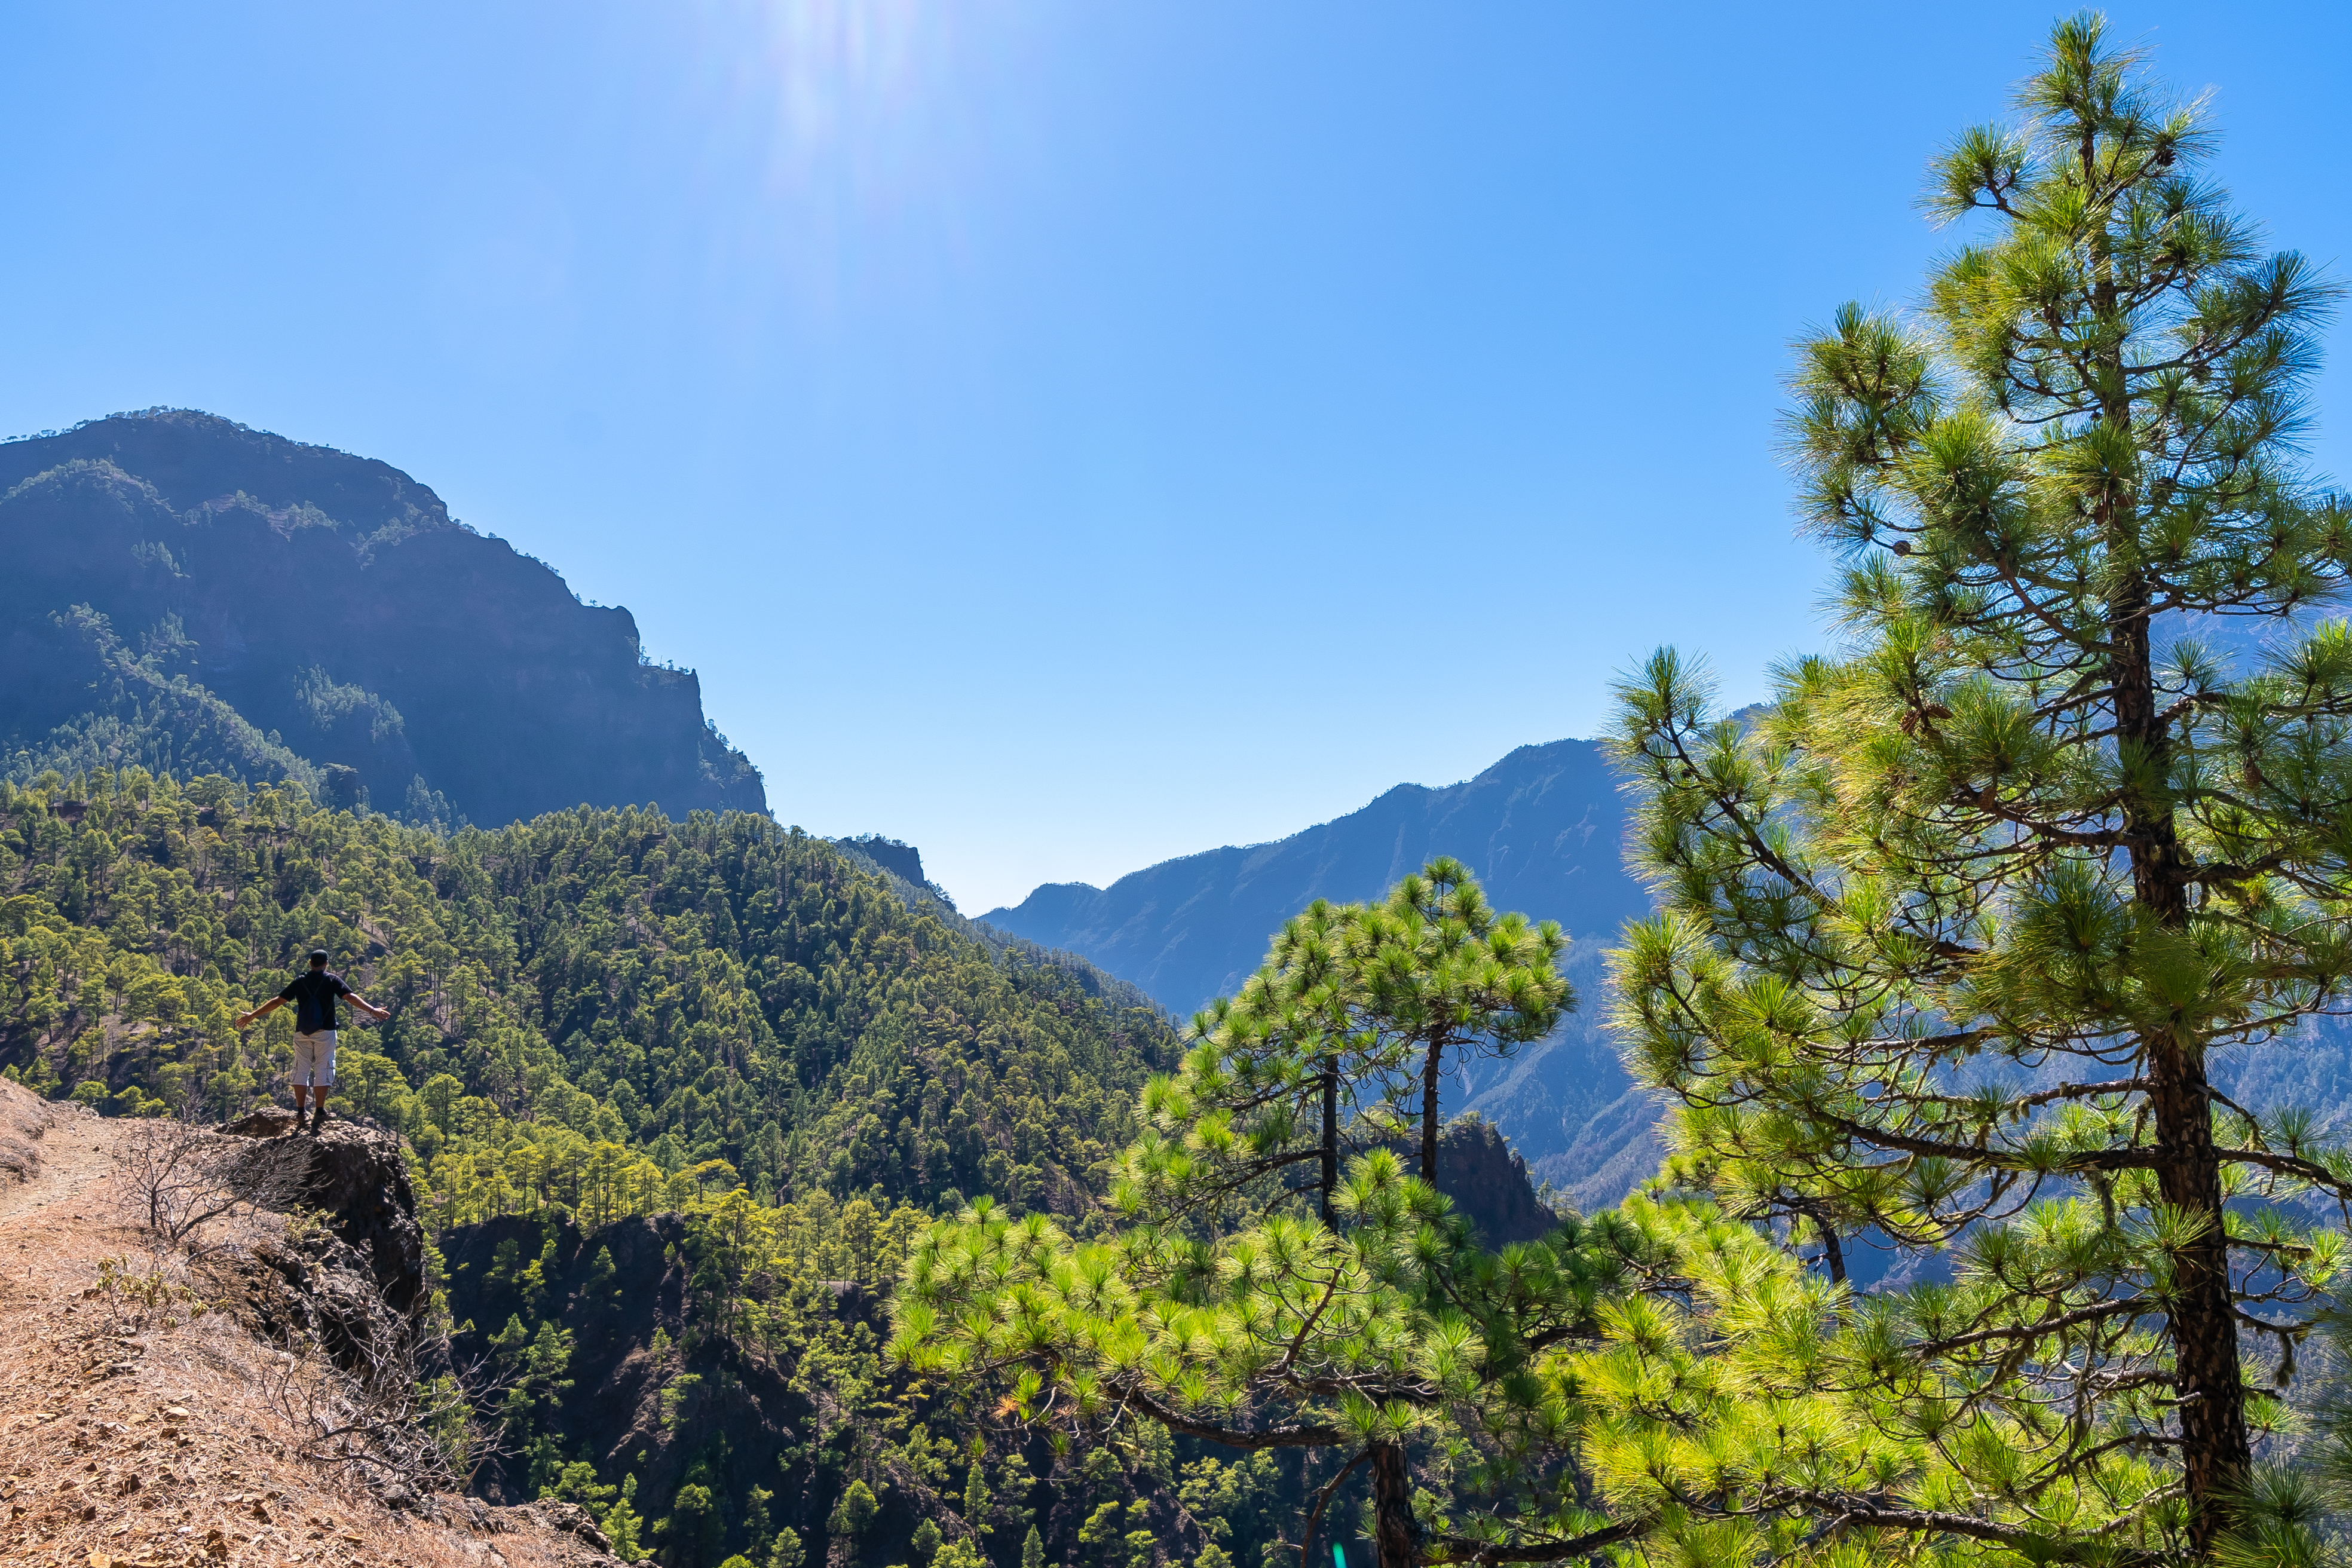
[1542, 828]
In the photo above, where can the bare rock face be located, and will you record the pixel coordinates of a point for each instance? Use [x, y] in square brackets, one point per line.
[269, 1121]
[578, 1543]
[1488, 1184]
[360, 1178]
[24, 1117]
[357, 1177]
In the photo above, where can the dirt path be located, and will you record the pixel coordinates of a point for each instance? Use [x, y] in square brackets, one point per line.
[135, 1432]
[50, 1153]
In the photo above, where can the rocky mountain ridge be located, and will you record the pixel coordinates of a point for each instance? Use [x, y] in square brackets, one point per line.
[193, 596]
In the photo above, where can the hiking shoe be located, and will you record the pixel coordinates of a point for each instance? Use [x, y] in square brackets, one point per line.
[317, 1119]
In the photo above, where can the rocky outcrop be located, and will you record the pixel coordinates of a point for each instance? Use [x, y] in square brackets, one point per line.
[351, 1284]
[24, 1118]
[357, 1177]
[567, 1522]
[1489, 1184]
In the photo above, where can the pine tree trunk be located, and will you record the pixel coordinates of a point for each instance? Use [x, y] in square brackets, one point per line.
[1330, 1133]
[1396, 1538]
[2216, 1453]
[1429, 1074]
[1832, 1249]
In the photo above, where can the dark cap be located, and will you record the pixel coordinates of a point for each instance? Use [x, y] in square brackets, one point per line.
[318, 955]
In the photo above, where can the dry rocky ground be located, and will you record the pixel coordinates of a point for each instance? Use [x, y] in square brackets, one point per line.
[135, 1426]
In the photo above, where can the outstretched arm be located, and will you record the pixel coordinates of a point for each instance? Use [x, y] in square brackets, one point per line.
[245, 1018]
[360, 1004]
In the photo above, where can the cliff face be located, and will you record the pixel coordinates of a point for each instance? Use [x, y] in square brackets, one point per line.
[1489, 1184]
[189, 593]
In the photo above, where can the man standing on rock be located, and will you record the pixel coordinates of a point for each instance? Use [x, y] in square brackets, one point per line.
[313, 995]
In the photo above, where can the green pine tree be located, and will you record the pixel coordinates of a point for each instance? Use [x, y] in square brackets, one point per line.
[1437, 974]
[626, 1526]
[1385, 1329]
[1954, 934]
[975, 1499]
[1033, 1549]
[855, 1512]
[600, 1288]
[1264, 1090]
[1338, 1043]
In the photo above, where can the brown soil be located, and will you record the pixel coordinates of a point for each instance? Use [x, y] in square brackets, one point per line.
[133, 1432]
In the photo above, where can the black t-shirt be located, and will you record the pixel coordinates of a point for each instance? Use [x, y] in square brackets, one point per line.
[313, 994]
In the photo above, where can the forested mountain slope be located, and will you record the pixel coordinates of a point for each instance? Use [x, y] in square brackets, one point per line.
[192, 596]
[717, 989]
[679, 1095]
[1543, 829]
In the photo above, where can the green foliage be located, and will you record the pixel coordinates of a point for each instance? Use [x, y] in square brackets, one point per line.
[624, 1524]
[602, 1013]
[1222, 1493]
[697, 1523]
[854, 1514]
[1953, 932]
[1339, 1040]
[576, 1482]
[1383, 1327]
[975, 1499]
[532, 1368]
[595, 1016]
[147, 714]
[601, 1277]
[1103, 1527]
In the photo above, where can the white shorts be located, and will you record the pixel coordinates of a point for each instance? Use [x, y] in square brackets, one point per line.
[314, 1058]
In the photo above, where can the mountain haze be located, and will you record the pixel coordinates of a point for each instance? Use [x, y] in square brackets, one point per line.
[1543, 829]
[193, 596]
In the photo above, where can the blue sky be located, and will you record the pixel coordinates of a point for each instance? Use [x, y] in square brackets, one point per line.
[1064, 435]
